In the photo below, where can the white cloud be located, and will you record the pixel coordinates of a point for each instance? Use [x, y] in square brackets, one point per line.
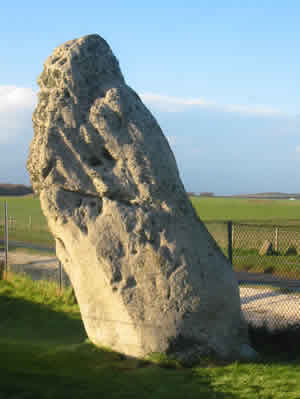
[298, 148]
[180, 104]
[16, 107]
[172, 104]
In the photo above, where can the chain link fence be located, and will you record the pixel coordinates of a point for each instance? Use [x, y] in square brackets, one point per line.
[27, 228]
[266, 259]
[35, 265]
[260, 248]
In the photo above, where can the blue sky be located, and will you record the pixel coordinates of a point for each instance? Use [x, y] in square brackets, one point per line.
[222, 79]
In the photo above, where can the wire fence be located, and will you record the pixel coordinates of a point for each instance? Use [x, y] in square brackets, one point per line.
[26, 225]
[266, 260]
[260, 248]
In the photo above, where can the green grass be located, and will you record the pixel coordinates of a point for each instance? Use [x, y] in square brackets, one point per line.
[34, 311]
[22, 208]
[45, 354]
[284, 266]
[31, 225]
[278, 264]
[30, 251]
[251, 210]
[39, 237]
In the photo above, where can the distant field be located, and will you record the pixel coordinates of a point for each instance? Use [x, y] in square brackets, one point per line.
[247, 210]
[31, 225]
[23, 207]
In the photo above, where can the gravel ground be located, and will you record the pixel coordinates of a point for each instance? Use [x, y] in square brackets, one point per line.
[273, 307]
[261, 304]
[39, 267]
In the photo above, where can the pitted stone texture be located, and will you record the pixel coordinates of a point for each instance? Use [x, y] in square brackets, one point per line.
[147, 275]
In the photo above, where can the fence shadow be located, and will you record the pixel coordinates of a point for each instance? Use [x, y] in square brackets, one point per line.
[43, 261]
[267, 294]
[28, 321]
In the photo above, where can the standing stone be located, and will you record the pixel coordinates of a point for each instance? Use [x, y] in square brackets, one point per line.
[148, 277]
[266, 248]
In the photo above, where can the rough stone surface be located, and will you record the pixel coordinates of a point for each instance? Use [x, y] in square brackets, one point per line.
[147, 275]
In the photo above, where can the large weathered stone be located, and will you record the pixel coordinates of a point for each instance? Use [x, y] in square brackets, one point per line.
[147, 275]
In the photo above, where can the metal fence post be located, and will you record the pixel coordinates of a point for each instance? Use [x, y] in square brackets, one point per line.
[229, 235]
[60, 275]
[6, 239]
[276, 239]
[2, 263]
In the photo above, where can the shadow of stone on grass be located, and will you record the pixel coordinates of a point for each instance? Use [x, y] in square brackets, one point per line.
[28, 321]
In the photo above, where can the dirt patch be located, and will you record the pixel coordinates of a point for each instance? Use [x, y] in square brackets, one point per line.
[38, 267]
[26, 258]
[267, 278]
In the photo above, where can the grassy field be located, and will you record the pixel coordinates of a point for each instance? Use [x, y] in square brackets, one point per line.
[22, 208]
[27, 210]
[30, 223]
[31, 227]
[45, 354]
[250, 210]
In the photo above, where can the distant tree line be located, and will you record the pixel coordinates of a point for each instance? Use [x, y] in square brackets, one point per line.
[204, 194]
[15, 189]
